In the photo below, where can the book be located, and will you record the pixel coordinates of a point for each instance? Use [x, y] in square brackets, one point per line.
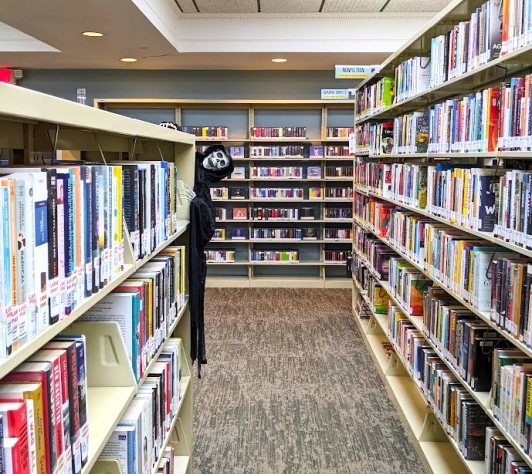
[238, 193]
[239, 233]
[316, 152]
[238, 172]
[310, 233]
[307, 213]
[240, 213]
[313, 172]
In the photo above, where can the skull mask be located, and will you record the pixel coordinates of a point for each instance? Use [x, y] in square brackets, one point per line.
[217, 160]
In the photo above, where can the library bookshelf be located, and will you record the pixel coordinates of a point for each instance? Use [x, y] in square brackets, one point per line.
[500, 154]
[240, 116]
[33, 126]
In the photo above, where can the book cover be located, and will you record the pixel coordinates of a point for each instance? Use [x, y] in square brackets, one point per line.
[309, 233]
[32, 393]
[12, 456]
[238, 192]
[422, 134]
[123, 308]
[236, 151]
[314, 172]
[316, 152]
[239, 233]
[315, 193]
[15, 425]
[121, 446]
[238, 172]
[307, 213]
[386, 146]
[240, 213]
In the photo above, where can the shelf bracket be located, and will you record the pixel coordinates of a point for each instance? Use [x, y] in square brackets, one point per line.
[432, 430]
[374, 328]
[395, 367]
[111, 466]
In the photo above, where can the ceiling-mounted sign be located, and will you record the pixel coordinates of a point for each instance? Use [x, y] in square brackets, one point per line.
[335, 94]
[352, 72]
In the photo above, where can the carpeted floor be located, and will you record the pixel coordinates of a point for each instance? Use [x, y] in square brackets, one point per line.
[290, 388]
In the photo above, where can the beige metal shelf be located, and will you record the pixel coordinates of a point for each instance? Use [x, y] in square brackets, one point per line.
[276, 282]
[336, 140]
[482, 315]
[283, 139]
[181, 464]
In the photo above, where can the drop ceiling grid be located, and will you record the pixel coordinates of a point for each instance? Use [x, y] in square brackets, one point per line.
[352, 6]
[187, 6]
[232, 6]
[400, 6]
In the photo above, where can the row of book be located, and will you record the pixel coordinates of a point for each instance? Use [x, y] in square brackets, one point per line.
[137, 440]
[466, 343]
[463, 194]
[218, 131]
[220, 255]
[280, 171]
[62, 236]
[236, 233]
[461, 416]
[340, 234]
[481, 199]
[339, 171]
[515, 115]
[342, 132]
[374, 97]
[44, 411]
[471, 44]
[283, 233]
[290, 255]
[277, 151]
[145, 306]
[375, 138]
[278, 132]
[283, 213]
[336, 256]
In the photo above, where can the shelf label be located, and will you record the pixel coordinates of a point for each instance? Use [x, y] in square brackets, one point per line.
[335, 94]
[352, 72]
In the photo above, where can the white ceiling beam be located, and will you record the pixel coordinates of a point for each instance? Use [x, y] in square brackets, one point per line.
[303, 33]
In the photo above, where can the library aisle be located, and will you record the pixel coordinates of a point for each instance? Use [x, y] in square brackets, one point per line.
[291, 388]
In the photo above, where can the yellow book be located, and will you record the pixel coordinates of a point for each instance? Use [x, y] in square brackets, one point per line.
[10, 185]
[30, 391]
[120, 223]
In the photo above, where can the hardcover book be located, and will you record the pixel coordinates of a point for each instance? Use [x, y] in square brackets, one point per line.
[239, 233]
[239, 172]
[238, 192]
[316, 152]
[310, 233]
[307, 213]
[240, 213]
[236, 151]
[314, 172]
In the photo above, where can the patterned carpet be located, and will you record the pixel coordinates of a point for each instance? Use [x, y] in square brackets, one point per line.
[291, 389]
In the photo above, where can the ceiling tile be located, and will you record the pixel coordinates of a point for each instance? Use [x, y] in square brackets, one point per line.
[290, 6]
[352, 6]
[400, 6]
[226, 6]
[187, 6]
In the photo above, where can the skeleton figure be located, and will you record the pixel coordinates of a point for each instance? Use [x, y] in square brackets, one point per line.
[216, 161]
[212, 166]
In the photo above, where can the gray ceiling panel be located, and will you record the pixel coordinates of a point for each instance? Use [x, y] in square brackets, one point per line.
[290, 6]
[399, 6]
[227, 6]
[352, 6]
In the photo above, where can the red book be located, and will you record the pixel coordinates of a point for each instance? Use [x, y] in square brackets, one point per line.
[13, 456]
[40, 372]
[60, 399]
[15, 424]
[73, 395]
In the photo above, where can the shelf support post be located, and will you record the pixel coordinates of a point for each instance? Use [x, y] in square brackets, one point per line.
[432, 430]
[395, 367]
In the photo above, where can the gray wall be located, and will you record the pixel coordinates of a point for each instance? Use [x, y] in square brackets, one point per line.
[183, 84]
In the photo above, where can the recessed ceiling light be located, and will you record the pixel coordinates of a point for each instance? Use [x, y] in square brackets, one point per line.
[279, 60]
[128, 60]
[92, 34]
